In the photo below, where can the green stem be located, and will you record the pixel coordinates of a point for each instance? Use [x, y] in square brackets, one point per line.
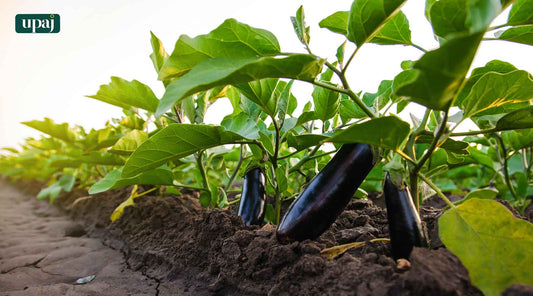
[201, 168]
[437, 190]
[234, 201]
[434, 144]
[350, 60]
[278, 206]
[473, 133]
[232, 177]
[418, 47]
[304, 159]
[504, 163]
[145, 192]
[288, 155]
[189, 187]
[330, 87]
[497, 27]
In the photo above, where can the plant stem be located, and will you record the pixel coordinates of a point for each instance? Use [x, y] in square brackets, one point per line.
[330, 87]
[497, 27]
[202, 169]
[350, 60]
[418, 47]
[304, 159]
[473, 133]
[288, 155]
[504, 163]
[434, 144]
[437, 190]
[145, 192]
[232, 177]
[189, 187]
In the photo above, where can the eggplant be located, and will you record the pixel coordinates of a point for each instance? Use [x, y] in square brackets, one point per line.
[252, 205]
[327, 194]
[405, 227]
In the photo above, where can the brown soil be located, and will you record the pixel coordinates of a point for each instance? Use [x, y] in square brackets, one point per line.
[189, 251]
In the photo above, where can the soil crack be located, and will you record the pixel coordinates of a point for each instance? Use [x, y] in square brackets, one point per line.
[32, 264]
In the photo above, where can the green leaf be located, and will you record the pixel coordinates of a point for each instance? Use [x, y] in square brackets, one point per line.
[523, 34]
[458, 147]
[518, 139]
[337, 22]
[326, 102]
[265, 93]
[282, 173]
[453, 17]
[59, 131]
[477, 73]
[65, 183]
[99, 139]
[242, 125]
[387, 132]
[301, 142]
[159, 55]
[175, 141]
[494, 246]
[435, 78]
[518, 119]
[127, 94]
[120, 208]
[521, 13]
[394, 31]
[160, 176]
[349, 109]
[219, 71]
[495, 89]
[368, 16]
[129, 142]
[479, 193]
[298, 22]
[287, 102]
[229, 40]
[74, 160]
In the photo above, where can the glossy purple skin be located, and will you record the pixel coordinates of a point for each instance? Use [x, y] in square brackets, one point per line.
[405, 228]
[327, 194]
[252, 205]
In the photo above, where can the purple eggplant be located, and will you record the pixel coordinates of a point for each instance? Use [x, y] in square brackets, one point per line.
[252, 205]
[405, 228]
[327, 194]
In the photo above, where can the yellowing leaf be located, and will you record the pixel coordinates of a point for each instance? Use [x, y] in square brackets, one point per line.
[494, 246]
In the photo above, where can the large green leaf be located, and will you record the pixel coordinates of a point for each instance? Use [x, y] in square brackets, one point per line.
[521, 13]
[462, 16]
[518, 139]
[59, 131]
[523, 34]
[127, 94]
[160, 176]
[494, 246]
[175, 141]
[387, 132]
[477, 73]
[495, 89]
[129, 142]
[229, 40]
[220, 71]
[368, 16]
[65, 183]
[435, 78]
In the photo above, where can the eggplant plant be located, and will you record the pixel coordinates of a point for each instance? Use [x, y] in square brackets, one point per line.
[246, 66]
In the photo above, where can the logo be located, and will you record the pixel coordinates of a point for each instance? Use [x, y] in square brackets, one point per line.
[37, 23]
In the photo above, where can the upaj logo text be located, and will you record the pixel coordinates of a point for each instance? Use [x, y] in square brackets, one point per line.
[37, 23]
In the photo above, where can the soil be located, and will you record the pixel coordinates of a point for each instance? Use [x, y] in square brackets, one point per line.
[174, 242]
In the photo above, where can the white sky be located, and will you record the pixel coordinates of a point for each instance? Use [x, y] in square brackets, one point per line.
[48, 75]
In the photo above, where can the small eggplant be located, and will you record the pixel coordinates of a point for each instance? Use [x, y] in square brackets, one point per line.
[405, 228]
[252, 205]
[327, 194]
